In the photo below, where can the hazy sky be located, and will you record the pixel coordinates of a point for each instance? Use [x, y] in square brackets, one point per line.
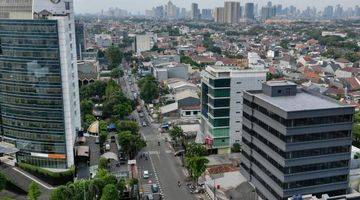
[93, 6]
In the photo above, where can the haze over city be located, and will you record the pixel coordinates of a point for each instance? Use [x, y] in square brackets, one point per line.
[135, 6]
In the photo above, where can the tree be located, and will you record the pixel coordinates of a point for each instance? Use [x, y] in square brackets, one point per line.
[34, 191]
[236, 148]
[103, 163]
[122, 110]
[284, 44]
[131, 143]
[176, 133]
[356, 133]
[193, 150]
[2, 181]
[114, 56]
[109, 192]
[116, 73]
[60, 193]
[149, 89]
[121, 186]
[86, 107]
[127, 125]
[196, 166]
[88, 120]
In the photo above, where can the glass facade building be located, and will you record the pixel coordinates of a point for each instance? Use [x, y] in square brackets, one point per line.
[39, 95]
[295, 143]
[31, 90]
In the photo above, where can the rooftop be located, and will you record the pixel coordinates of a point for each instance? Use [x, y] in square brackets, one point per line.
[300, 102]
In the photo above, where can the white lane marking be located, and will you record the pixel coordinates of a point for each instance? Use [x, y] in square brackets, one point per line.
[38, 182]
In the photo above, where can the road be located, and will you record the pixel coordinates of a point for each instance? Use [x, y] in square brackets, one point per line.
[164, 168]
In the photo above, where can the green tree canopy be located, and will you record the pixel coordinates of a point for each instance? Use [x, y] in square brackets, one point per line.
[176, 133]
[193, 150]
[196, 166]
[34, 191]
[109, 193]
[127, 125]
[116, 73]
[149, 89]
[114, 56]
[103, 163]
[2, 181]
[131, 143]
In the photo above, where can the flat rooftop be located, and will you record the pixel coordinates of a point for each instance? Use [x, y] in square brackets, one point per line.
[280, 83]
[300, 102]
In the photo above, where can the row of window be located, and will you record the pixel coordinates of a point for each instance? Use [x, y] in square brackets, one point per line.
[31, 68]
[224, 112]
[33, 124]
[28, 28]
[302, 121]
[34, 113]
[31, 102]
[53, 54]
[30, 89]
[51, 148]
[31, 78]
[302, 137]
[29, 41]
[220, 82]
[300, 153]
[26, 135]
[43, 162]
[219, 103]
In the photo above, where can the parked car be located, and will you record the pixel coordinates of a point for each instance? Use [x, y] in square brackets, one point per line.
[154, 188]
[146, 174]
[144, 124]
[97, 141]
[107, 147]
[112, 138]
[149, 197]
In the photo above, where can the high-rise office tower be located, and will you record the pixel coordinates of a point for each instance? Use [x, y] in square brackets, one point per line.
[232, 12]
[221, 104]
[171, 11]
[39, 94]
[206, 14]
[268, 12]
[195, 11]
[295, 142]
[249, 11]
[219, 15]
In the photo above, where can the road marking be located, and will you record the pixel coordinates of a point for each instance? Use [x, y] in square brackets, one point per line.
[38, 182]
[168, 151]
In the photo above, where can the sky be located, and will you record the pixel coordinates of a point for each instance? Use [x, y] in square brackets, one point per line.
[135, 6]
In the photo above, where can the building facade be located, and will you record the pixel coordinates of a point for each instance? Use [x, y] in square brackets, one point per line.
[221, 104]
[294, 142]
[80, 39]
[195, 11]
[219, 15]
[232, 12]
[249, 11]
[39, 94]
[142, 43]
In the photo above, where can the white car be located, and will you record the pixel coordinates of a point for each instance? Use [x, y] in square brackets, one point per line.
[146, 174]
[107, 147]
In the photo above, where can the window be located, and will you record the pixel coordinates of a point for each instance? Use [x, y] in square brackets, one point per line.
[67, 5]
[187, 113]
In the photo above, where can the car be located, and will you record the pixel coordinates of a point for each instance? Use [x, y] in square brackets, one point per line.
[154, 188]
[112, 138]
[144, 124]
[149, 197]
[146, 174]
[97, 141]
[107, 147]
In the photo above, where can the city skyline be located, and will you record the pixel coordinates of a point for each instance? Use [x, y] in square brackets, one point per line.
[91, 6]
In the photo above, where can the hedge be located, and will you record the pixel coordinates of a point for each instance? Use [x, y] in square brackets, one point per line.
[53, 178]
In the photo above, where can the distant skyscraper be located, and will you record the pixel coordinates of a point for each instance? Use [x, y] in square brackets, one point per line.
[219, 15]
[249, 11]
[232, 12]
[195, 11]
[159, 12]
[339, 11]
[172, 12]
[39, 93]
[268, 12]
[206, 14]
[295, 142]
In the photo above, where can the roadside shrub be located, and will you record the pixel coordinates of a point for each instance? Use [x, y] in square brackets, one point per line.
[53, 178]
